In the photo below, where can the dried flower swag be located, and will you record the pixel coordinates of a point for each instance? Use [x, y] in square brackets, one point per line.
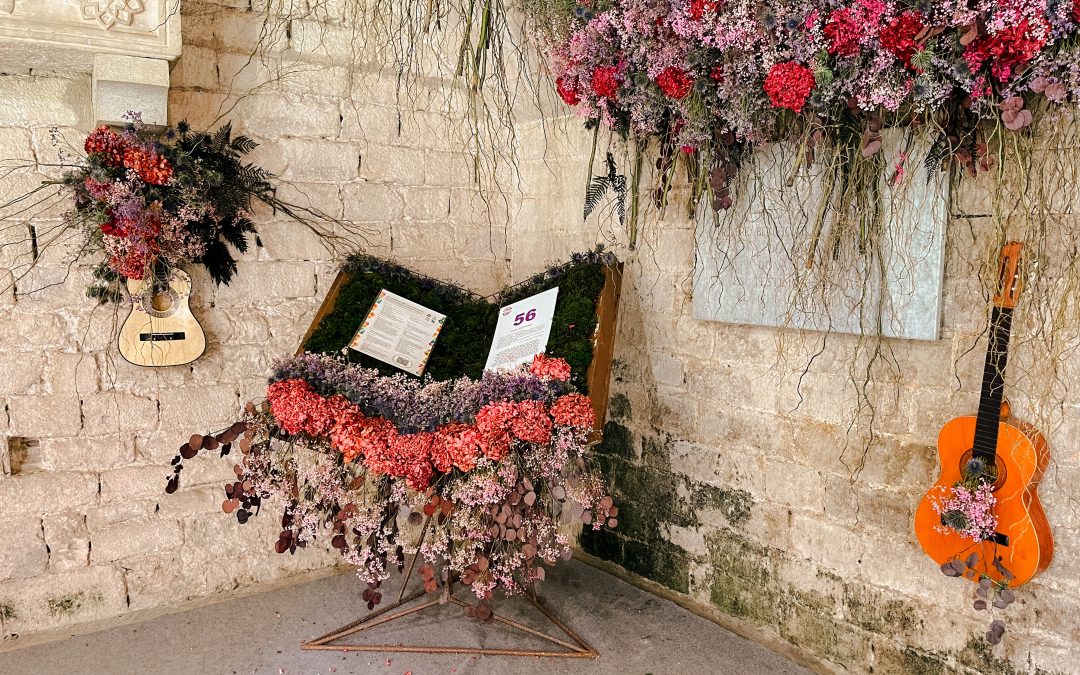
[474, 476]
[149, 200]
[717, 79]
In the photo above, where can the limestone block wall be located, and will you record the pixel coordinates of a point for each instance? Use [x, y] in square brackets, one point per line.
[85, 438]
[733, 469]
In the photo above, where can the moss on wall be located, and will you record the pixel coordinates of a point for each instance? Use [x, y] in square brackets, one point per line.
[619, 407]
[652, 499]
[69, 603]
[734, 503]
[848, 622]
[463, 345]
[744, 580]
[874, 611]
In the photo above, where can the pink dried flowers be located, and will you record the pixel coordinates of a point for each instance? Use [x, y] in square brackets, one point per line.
[967, 511]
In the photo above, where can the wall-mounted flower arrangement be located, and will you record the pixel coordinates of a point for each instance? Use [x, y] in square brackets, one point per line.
[149, 200]
[145, 201]
[153, 200]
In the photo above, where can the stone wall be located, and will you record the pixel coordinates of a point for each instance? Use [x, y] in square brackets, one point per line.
[87, 531]
[733, 469]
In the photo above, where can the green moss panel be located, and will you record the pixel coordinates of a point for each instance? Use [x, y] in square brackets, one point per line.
[463, 345]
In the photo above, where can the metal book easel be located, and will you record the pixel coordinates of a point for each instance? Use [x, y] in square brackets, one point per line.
[574, 648]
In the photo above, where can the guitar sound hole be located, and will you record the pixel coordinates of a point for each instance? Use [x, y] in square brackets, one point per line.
[999, 473]
[161, 302]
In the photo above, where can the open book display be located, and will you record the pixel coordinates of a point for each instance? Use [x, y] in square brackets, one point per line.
[474, 477]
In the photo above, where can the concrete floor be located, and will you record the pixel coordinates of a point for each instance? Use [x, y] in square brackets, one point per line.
[635, 632]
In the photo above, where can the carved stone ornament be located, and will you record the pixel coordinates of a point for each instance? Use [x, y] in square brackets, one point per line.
[109, 12]
[65, 35]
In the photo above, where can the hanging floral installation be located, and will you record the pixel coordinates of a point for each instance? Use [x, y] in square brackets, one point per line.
[144, 201]
[715, 79]
[698, 68]
[473, 476]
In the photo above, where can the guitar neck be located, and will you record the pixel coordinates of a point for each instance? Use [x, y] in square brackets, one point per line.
[993, 386]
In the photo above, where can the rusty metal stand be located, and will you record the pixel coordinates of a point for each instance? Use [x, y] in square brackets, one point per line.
[575, 648]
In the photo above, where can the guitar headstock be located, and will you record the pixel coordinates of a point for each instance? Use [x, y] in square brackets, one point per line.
[1010, 277]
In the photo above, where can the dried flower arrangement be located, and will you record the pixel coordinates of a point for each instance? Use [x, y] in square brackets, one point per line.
[490, 467]
[967, 508]
[968, 511]
[714, 80]
[149, 200]
[152, 200]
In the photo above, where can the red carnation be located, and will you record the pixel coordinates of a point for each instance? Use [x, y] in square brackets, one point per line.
[899, 36]
[456, 445]
[1006, 50]
[842, 32]
[573, 410]
[99, 140]
[493, 423]
[788, 85]
[567, 93]
[549, 368]
[132, 264]
[96, 189]
[675, 82]
[104, 141]
[531, 422]
[605, 81]
[113, 228]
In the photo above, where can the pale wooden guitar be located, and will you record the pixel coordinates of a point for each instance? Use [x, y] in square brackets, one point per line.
[161, 330]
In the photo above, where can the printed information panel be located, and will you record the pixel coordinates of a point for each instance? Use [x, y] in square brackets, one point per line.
[523, 331]
[399, 332]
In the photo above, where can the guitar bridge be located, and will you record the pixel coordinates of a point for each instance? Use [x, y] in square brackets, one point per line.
[162, 337]
[999, 538]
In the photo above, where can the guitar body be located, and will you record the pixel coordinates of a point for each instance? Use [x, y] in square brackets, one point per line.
[161, 330]
[991, 450]
[1022, 457]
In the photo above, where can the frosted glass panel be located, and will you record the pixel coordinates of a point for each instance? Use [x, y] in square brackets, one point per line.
[762, 262]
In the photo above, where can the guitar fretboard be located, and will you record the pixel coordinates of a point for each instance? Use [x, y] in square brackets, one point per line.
[993, 386]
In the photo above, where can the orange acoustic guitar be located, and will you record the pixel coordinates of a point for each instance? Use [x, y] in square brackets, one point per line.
[1008, 453]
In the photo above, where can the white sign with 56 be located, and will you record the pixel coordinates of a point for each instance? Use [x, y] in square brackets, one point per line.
[523, 331]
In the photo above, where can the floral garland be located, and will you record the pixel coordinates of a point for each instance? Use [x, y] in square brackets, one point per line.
[494, 465]
[717, 78]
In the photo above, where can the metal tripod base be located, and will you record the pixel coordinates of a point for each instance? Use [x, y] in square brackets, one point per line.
[572, 648]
